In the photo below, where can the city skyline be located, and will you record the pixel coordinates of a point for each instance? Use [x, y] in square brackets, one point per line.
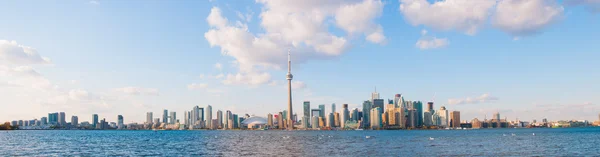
[125, 60]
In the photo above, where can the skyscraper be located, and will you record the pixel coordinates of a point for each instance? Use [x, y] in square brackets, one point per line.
[53, 118]
[455, 119]
[443, 117]
[375, 95]
[280, 120]
[74, 121]
[219, 119]
[289, 77]
[307, 109]
[427, 118]
[366, 112]
[149, 117]
[120, 122]
[201, 117]
[376, 118]
[209, 116]
[187, 119]
[165, 116]
[44, 121]
[333, 108]
[322, 108]
[378, 103]
[227, 118]
[95, 120]
[345, 115]
[194, 115]
[418, 105]
[429, 107]
[397, 100]
[330, 120]
[270, 120]
[173, 118]
[61, 119]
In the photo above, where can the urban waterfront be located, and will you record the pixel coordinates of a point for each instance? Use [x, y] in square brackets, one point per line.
[483, 142]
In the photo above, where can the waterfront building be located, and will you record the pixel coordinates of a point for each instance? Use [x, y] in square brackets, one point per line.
[376, 118]
[305, 122]
[209, 116]
[336, 117]
[173, 118]
[418, 106]
[442, 113]
[427, 118]
[367, 105]
[44, 121]
[315, 122]
[476, 124]
[306, 108]
[455, 119]
[270, 120]
[156, 121]
[235, 121]
[187, 118]
[333, 108]
[398, 100]
[315, 112]
[95, 121]
[289, 77]
[345, 115]
[430, 107]
[411, 118]
[61, 119]
[280, 121]
[375, 95]
[330, 120]
[74, 121]
[354, 115]
[401, 117]
[14, 123]
[149, 117]
[21, 123]
[322, 108]
[228, 117]
[390, 115]
[378, 103]
[120, 121]
[165, 118]
[219, 119]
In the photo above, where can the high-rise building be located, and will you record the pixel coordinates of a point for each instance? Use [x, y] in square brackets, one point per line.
[455, 119]
[120, 122]
[149, 117]
[173, 118]
[497, 116]
[429, 107]
[201, 112]
[367, 105]
[376, 118]
[330, 120]
[322, 108]
[95, 121]
[52, 118]
[289, 77]
[375, 95]
[305, 122]
[398, 100]
[280, 121]
[219, 119]
[336, 118]
[194, 116]
[315, 112]
[333, 108]
[427, 118]
[442, 113]
[209, 116]
[235, 121]
[165, 116]
[354, 115]
[270, 120]
[345, 115]
[227, 118]
[44, 121]
[378, 103]
[315, 122]
[412, 118]
[307, 108]
[61, 119]
[74, 121]
[418, 106]
[187, 117]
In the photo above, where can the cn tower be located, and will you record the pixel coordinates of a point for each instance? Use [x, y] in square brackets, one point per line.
[289, 77]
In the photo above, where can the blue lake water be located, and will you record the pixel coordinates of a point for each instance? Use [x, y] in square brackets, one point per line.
[485, 142]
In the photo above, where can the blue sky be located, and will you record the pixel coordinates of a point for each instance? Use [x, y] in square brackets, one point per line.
[132, 57]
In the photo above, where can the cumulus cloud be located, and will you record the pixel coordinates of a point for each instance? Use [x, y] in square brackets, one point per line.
[296, 85]
[467, 16]
[11, 53]
[195, 86]
[138, 91]
[218, 66]
[485, 98]
[428, 42]
[301, 26]
[526, 17]
[515, 17]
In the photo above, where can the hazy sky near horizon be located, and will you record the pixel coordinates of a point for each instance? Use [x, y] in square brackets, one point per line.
[527, 59]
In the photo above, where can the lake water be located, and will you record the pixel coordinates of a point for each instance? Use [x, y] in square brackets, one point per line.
[485, 142]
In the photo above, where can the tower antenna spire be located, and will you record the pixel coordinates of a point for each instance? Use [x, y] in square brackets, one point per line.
[289, 61]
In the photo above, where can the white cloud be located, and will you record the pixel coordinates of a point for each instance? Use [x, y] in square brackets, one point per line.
[359, 18]
[219, 66]
[94, 2]
[301, 26]
[11, 53]
[195, 86]
[219, 76]
[526, 17]
[485, 98]
[467, 16]
[79, 94]
[427, 42]
[138, 91]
